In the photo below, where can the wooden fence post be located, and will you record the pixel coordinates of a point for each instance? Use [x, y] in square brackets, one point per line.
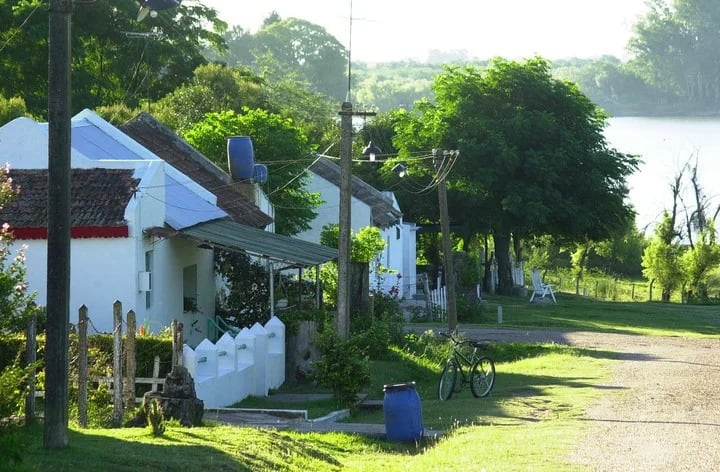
[30, 358]
[82, 366]
[117, 364]
[155, 373]
[130, 361]
[177, 343]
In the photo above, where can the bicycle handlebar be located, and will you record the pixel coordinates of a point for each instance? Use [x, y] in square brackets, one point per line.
[455, 340]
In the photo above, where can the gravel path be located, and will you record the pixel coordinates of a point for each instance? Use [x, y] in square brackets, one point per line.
[665, 412]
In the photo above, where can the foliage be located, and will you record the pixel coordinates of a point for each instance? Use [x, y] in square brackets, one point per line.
[661, 259]
[675, 47]
[155, 417]
[533, 159]
[11, 108]
[292, 47]
[699, 262]
[247, 293]
[376, 332]
[107, 65]
[213, 88]
[342, 367]
[280, 145]
[17, 305]
[14, 385]
[365, 245]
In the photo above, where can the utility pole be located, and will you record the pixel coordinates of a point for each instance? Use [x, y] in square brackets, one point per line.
[58, 224]
[442, 167]
[342, 322]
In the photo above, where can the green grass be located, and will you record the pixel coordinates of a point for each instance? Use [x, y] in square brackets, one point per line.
[532, 420]
[575, 313]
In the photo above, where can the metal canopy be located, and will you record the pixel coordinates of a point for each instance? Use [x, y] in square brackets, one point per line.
[229, 235]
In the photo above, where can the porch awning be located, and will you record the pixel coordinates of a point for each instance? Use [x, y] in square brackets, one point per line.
[229, 235]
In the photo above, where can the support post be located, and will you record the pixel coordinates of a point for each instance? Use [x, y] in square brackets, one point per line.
[117, 364]
[344, 221]
[449, 272]
[55, 429]
[82, 366]
[130, 361]
[30, 358]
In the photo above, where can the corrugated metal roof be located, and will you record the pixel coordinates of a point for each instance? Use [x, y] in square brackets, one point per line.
[94, 143]
[227, 234]
[184, 208]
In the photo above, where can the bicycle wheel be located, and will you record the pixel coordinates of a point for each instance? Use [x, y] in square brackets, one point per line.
[482, 377]
[448, 377]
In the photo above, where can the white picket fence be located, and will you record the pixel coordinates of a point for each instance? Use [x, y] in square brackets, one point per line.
[234, 368]
[438, 301]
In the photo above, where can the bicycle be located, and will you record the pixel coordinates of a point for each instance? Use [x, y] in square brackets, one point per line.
[477, 370]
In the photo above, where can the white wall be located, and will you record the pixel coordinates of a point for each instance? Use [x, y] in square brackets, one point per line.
[100, 267]
[329, 211]
[171, 256]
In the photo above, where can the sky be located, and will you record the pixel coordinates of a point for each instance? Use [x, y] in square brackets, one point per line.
[392, 30]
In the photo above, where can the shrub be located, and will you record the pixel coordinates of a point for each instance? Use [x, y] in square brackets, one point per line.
[155, 417]
[342, 367]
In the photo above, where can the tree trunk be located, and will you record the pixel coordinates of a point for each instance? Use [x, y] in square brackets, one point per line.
[502, 254]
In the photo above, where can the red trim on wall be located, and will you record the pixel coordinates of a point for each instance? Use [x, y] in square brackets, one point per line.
[78, 232]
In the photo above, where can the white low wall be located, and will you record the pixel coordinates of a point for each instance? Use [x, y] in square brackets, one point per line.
[248, 364]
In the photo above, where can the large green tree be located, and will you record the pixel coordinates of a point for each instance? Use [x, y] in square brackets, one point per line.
[291, 48]
[533, 158]
[280, 145]
[115, 59]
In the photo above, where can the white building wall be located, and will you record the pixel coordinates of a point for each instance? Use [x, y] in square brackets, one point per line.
[99, 275]
[329, 211]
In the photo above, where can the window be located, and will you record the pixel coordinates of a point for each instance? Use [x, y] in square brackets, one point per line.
[148, 268]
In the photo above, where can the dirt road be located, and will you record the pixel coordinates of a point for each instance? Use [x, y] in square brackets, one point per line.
[664, 410]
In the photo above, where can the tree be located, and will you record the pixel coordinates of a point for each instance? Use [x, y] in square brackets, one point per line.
[11, 108]
[675, 49]
[661, 259]
[699, 261]
[533, 158]
[277, 143]
[295, 48]
[213, 88]
[109, 66]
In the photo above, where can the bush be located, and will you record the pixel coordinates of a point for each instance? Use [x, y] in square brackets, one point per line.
[342, 368]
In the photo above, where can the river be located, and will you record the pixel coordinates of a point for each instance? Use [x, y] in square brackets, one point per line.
[665, 145]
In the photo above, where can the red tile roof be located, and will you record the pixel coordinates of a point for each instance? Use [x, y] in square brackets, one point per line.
[98, 201]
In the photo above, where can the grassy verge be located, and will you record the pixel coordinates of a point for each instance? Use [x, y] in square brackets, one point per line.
[531, 416]
[584, 314]
[531, 421]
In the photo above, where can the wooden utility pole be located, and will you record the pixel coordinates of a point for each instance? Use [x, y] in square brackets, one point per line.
[443, 167]
[342, 321]
[58, 224]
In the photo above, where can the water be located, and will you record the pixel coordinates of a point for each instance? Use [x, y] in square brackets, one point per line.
[665, 145]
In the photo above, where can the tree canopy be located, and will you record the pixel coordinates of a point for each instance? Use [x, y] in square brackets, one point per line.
[277, 143]
[115, 59]
[533, 158]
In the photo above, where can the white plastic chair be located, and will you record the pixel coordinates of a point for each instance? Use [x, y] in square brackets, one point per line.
[539, 287]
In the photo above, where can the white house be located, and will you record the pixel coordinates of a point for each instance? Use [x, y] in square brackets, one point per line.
[140, 226]
[369, 207]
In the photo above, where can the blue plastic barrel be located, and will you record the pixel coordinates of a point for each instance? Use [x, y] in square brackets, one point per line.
[260, 173]
[403, 412]
[241, 157]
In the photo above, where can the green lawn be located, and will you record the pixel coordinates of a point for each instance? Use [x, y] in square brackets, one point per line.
[532, 420]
